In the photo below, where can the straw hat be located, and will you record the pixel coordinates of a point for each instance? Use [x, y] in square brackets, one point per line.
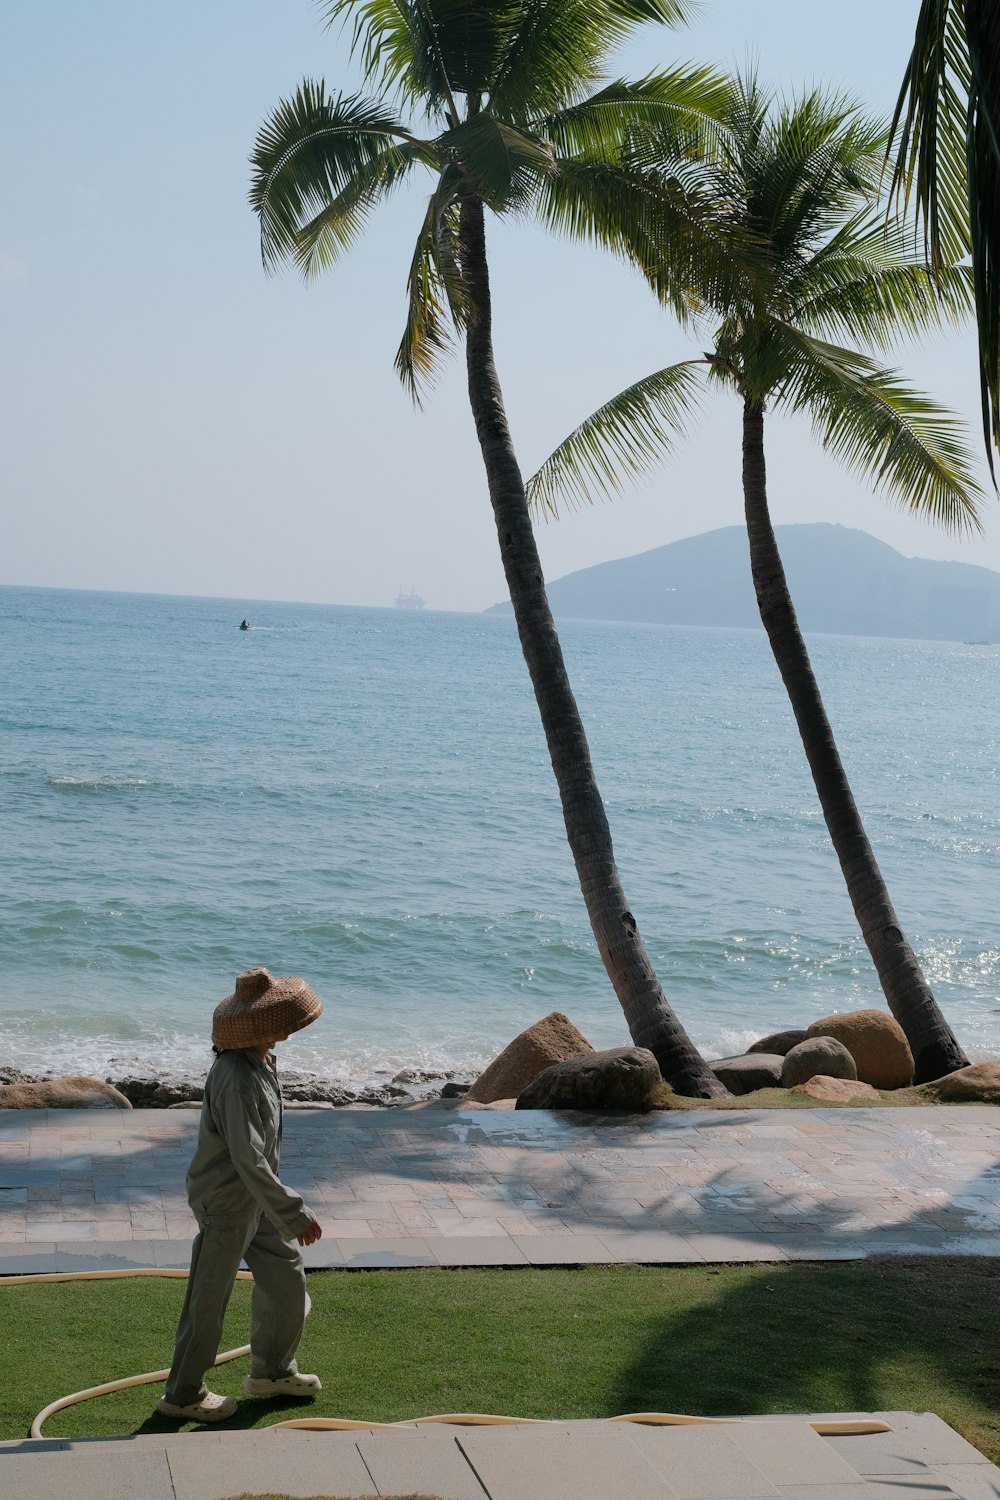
[261, 1008]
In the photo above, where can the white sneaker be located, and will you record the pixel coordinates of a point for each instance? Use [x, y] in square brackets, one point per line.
[285, 1385]
[211, 1408]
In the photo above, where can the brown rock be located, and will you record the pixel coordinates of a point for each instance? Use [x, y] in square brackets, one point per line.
[493, 1104]
[78, 1092]
[549, 1041]
[837, 1090]
[877, 1043]
[741, 1075]
[978, 1082]
[780, 1042]
[14, 1075]
[817, 1054]
[621, 1078]
[154, 1093]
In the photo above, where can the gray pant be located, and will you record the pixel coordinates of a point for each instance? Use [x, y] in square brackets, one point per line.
[277, 1309]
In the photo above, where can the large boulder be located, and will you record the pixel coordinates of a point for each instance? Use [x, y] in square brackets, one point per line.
[978, 1083]
[741, 1075]
[78, 1092]
[549, 1041]
[781, 1042]
[817, 1054]
[621, 1078]
[838, 1090]
[877, 1043]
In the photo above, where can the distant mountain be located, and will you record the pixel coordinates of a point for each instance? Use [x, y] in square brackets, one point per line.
[843, 582]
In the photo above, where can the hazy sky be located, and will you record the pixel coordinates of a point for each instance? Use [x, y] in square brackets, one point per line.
[172, 420]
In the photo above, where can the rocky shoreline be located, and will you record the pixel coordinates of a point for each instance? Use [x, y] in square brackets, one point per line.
[410, 1086]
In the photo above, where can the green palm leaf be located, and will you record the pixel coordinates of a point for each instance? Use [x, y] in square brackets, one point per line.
[437, 303]
[380, 36]
[866, 284]
[310, 150]
[672, 114]
[622, 441]
[338, 225]
[903, 442]
[810, 161]
[550, 49]
[499, 163]
[554, 48]
[928, 129]
[661, 226]
[945, 154]
[420, 48]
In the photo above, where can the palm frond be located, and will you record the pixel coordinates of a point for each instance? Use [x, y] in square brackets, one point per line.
[456, 48]
[553, 51]
[337, 226]
[866, 284]
[436, 299]
[665, 227]
[945, 157]
[983, 152]
[621, 442]
[631, 13]
[676, 114]
[928, 130]
[381, 36]
[306, 154]
[901, 441]
[402, 44]
[815, 158]
[499, 163]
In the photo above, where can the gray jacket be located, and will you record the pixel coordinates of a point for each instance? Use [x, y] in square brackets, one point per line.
[234, 1171]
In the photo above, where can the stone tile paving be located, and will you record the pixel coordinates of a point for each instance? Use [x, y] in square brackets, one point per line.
[765, 1459]
[429, 1187]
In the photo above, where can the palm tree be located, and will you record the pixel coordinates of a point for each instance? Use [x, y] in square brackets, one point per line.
[945, 137]
[514, 124]
[795, 185]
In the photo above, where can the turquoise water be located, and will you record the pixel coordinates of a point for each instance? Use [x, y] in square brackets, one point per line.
[363, 797]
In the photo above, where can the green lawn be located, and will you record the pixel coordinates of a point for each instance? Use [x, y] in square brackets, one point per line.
[855, 1336]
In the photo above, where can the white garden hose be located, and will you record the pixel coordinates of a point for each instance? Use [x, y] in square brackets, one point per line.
[349, 1424]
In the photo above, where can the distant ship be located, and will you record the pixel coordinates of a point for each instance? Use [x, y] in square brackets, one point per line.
[412, 600]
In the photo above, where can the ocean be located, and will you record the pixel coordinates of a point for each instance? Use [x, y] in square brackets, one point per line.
[363, 797]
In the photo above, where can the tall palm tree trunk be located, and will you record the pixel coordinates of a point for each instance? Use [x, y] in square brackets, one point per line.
[935, 1049]
[651, 1021]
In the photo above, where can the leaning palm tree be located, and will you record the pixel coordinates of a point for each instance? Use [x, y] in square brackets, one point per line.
[795, 186]
[946, 148]
[513, 122]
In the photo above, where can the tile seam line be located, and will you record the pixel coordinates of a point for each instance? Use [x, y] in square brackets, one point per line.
[371, 1476]
[170, 1471]
[479, 1478]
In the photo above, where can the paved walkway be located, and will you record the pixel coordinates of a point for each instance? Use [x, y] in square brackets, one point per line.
[432, 1186]
[921, 1459]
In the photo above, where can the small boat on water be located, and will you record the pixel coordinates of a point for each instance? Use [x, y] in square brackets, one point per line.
[245, 625]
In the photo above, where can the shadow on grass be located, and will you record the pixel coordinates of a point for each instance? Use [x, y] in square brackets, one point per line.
[880, 1335]
[253, 1412]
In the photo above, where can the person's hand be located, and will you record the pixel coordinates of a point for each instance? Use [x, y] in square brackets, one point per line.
[312, 1234]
